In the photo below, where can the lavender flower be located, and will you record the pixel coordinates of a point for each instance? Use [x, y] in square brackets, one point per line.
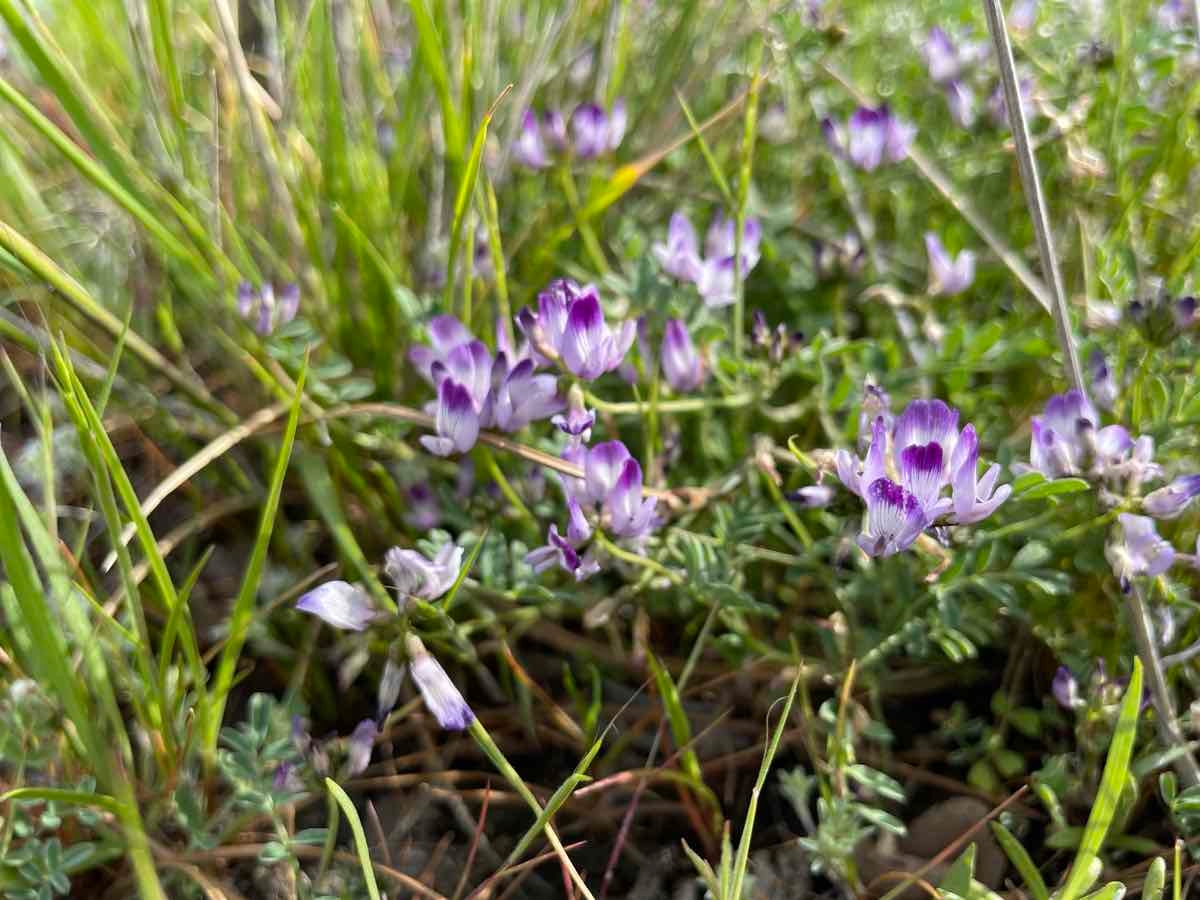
[1172, 15]
[941, 56]
[1022, 15]
[423, 511]
[1139, 551]
[578, 421]
[1060, 444]
[961, 100]
[948, 276]
[714, 273]
[1066, 689]
[441, 697]
[457, 421]
[609, 496]
[359, 747]
[681, 364]
[570, 325]
[264, 309]
[554, 129]
[413, 574]
[596, 131]
[930, 455]
[523, 397]
[871, 137]
[1104, 386]
[339, 604]
[1168, 502]
[529, 148]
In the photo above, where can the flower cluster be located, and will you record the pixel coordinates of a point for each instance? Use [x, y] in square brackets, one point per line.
[715, 272]
[870, 137]
[476, 390]
[1067, 441]
[569, 326]
[930, 454]
[609, 497]
[265, 309]
[946, 275]
[594, 131]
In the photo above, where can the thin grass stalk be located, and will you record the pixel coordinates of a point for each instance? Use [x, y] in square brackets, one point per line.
[1034, 197]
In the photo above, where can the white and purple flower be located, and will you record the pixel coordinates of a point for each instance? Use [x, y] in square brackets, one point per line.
[596, 131]
[1066, 441]
[714, 273]
[529, 149]
[1170, 501]
[1139, 550]
[266, 310]
[569, 325]
[609, 497]
[681, 363]
[441, 697]
[414, 574]
[930, 454]
[948, 276]
[871, 137]
[343, 605]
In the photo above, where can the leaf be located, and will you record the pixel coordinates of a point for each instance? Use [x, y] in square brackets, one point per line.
[1156, 879]
[958, 879]
[1112, 783]
[360, 837]
[1055, 488]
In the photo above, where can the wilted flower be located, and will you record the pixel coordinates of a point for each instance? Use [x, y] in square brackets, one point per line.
[930, 455]
[871, 136]
[681, 364]
[441, 697]
[569, 325]
[340, 604]
[1139, 550]
[414, 574]
[609, 496]
[1168, 502]
[714, 273]
[263, 309]
[359, 747]
[948, 276]
[596, 131]
[1066, 689]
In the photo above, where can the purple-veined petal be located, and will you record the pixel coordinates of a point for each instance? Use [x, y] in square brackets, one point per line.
[602, 469]
[922, 473]
[893, 520]
[456, 421]
[927, 421]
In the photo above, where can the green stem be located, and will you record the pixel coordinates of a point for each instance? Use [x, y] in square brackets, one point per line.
[683, 405]
[636, 559]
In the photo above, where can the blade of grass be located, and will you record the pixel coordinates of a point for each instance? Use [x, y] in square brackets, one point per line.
[360, 836]
[429, 45]
[243, 606]
[1021, 861]
[1112, 782]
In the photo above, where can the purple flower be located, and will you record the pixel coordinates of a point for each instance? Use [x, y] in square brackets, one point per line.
[998, 105]
[961, 100]
[456, 421]
[681, 364]
[524, 397]
[948, 276]
[1059, 444]
[714, 273]
[1140, 550]
[529, 148]
[339, 604]
[264, 309]
[1104, 386]
[893, 520]
[610, 495]
[589, 348]
[1185, 312]
[578, 421]
[941, 56]
[596, 131]
[871, 137]
[358, 749]
[1066, 689]
[441, 697]
[423, 511]
[974, 498]
[445, 334]
[414, 574]
[930, 455]
[1168, 502]
[554, 127]
[1172, 15]
[1022, 15]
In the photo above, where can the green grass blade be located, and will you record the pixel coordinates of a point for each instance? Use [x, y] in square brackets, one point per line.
[59, 795]
[1021, 861]
[681, 729]
[1111, 784]
[360, 836]
[743, 851]
[243, 606]
[429, 45]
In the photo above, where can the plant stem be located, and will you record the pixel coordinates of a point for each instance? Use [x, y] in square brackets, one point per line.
[1034, 198]
[1147, 648]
